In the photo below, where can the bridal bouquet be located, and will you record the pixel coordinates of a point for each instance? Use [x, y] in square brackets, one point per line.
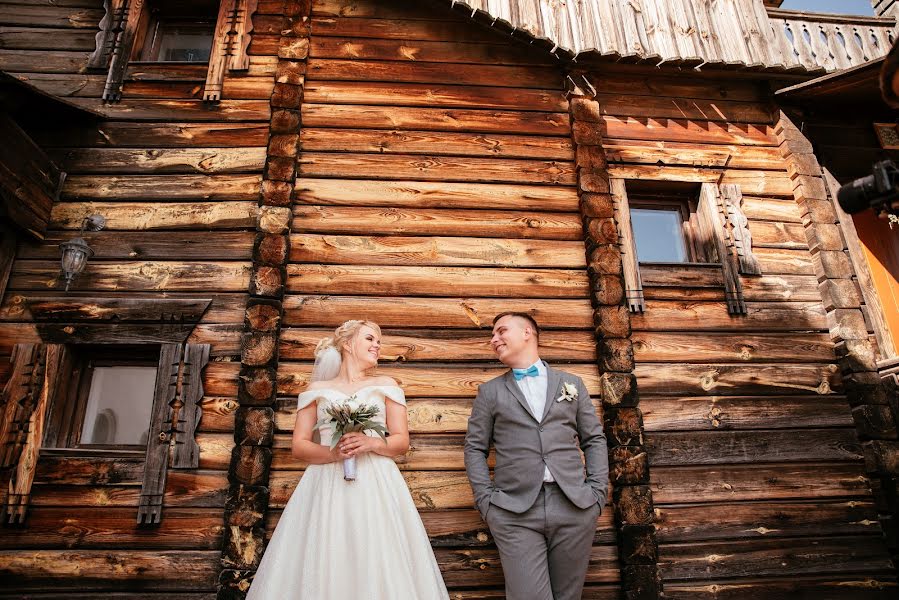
[348, 417]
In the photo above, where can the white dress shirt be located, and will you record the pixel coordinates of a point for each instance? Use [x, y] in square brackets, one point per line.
[534, 390]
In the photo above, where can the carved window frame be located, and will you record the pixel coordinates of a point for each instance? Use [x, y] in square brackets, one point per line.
[41, 372]
[124, 25]
[718, 226]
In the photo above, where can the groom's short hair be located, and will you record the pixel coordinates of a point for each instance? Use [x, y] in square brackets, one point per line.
[525, 316]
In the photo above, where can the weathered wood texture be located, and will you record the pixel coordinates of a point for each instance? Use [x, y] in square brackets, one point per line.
[749, 435]
[170, 174]
[436, 187]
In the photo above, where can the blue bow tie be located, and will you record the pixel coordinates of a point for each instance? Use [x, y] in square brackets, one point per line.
[520, 374]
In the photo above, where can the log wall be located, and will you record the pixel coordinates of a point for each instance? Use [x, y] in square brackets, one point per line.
[436, 187]
[757, 474]
[178, 182]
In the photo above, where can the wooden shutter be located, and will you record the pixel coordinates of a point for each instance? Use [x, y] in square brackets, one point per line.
[229, 44]
[738, 228]
[711, 222]
[160, 437]
[125, 20]
[38, 375]
[633, 284]
[178, 388]
[187, 452]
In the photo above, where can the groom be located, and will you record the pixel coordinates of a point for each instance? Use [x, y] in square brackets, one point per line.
[543, 501]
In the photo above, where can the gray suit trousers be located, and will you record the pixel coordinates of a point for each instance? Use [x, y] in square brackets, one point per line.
[546, 549]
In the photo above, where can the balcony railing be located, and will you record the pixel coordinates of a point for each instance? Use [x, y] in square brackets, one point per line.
[830, 41]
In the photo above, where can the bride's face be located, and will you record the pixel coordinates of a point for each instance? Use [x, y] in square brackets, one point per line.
[366, 347]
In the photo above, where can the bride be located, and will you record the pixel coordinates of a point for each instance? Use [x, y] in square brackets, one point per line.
[360, 539]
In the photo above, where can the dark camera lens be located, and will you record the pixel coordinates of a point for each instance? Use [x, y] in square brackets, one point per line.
[856, 195]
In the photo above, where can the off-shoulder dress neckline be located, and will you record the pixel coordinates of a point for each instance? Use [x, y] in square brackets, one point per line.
[347, 396]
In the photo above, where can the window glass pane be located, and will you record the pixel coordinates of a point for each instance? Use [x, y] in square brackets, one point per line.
[119, 405]
[186, 44]
[659, 235]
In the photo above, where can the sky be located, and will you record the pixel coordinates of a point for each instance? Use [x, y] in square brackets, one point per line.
[849, 7]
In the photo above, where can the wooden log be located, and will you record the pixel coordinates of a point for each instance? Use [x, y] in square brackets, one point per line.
[437, 251]
[139, 216]
[664, 315]
[724, 413]
[225, 308]
[65, 85]
[331, 311]
[175, 110]
[107, 528]
[436, 221]
[725, 347]
[243, 88]
[46, 61]
[642, 84]
[845, 587]
[762, 379]
[32, 15]
[771, 209]
[162, 187]
[701, 110]
[185, 489]
[737, 447]
[765, 558]
[100, 570]
[692, 154]
[764, 520]
[772, 183]
[740, 483]
[159, 135]
[90, 470]
[412, 345]
[155, 245]
[427, 119]
[419, 195]
[436, 168]
[160, 160]
[391, 141]
[417, 281]
[449, 30]
[685, 130]
[45, 38]
[146, 275]
[545, 78]
[419, 51]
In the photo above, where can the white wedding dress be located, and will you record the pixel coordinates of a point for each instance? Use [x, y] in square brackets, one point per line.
[350, 540]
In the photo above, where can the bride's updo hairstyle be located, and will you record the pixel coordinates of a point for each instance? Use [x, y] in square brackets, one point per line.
[343, 335]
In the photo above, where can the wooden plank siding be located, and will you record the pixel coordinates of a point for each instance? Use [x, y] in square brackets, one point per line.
[177, 181]
[752, 464]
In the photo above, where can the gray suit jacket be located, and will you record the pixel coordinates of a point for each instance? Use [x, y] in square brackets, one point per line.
[523, 444]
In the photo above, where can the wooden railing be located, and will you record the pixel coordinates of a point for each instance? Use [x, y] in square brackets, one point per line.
[830, 41]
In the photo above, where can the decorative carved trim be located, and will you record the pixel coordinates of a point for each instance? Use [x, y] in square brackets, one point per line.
[124, 29]
[20, 396]
[99, 58]
[710, 213]
[738, 229]
[633, 283]
[187, 452]
[229, 46]
[47, 379]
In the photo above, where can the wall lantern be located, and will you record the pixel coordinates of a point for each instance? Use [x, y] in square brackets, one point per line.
[76, 251]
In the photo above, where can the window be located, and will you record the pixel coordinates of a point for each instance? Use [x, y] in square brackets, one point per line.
[177, 32]
[665, 223]
[108, 400]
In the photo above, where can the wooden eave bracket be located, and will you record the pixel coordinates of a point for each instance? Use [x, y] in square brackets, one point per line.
[66, 319]
[123, 23]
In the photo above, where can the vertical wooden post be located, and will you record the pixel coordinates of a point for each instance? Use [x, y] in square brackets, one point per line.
[623, 421]
[873, 400]
[248, 475]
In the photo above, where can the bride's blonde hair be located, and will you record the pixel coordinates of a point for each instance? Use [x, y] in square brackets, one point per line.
[344, 334]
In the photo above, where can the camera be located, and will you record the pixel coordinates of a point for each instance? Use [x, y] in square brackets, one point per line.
[878, 191]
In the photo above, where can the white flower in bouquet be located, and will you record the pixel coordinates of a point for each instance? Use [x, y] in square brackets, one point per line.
[347, 417]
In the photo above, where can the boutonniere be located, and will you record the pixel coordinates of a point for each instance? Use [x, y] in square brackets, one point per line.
[569, 393]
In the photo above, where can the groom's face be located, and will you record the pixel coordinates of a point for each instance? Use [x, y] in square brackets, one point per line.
[511, 338]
